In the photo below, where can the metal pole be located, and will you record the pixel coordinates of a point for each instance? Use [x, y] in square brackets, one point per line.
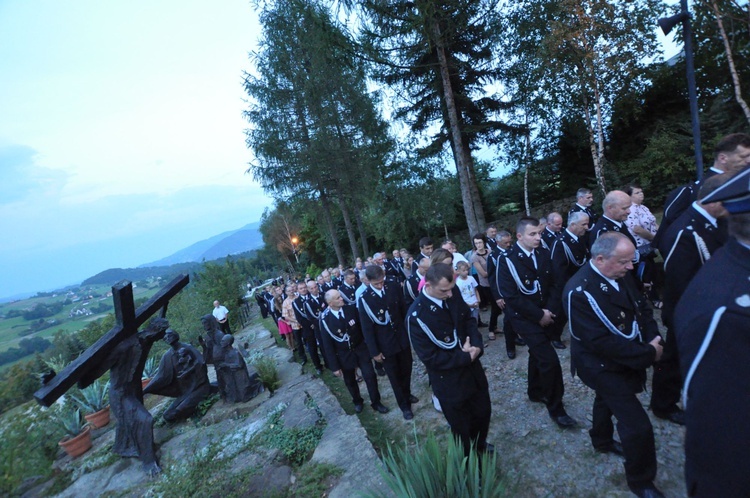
[692, 93]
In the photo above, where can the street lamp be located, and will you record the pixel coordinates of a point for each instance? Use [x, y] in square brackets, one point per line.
[666, 24]
[294, 241]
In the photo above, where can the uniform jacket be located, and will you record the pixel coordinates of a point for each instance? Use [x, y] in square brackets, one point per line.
[592, 217]
[548, 238]
[389, 336]
[493, 274]
[300, 312]
[610, 329]
[314, 306]
[714, 313]
[453, 376]
[340, 338]
[689, 243]
[568, 255]
[606, 225]
[539, 288]
[411, 290]
[348, 293]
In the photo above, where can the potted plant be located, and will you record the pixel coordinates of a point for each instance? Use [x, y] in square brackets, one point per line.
[95, 403]
[149, 370]
[77, 440]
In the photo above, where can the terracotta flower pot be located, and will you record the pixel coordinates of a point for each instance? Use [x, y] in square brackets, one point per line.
[99, 419]
[144, 383]
[78, 445]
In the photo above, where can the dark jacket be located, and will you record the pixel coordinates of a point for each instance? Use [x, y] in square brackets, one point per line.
[518, 269]
[340, 338]
[390, 337]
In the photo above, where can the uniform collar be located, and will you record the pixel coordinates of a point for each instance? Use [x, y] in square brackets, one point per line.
[439, 302]
[613, 282]
[572, 235]
[527, 253]
[617, 223]
[705, 214]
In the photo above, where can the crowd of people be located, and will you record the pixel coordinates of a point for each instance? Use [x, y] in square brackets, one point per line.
[602, 276]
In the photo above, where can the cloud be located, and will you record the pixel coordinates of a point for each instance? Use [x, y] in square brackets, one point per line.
[20, 176]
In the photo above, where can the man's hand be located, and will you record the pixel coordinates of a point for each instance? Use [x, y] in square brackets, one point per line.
[472, 350]
[548, 318]
[379, 358]
[501, 303]
[656, 343]
[337, 373]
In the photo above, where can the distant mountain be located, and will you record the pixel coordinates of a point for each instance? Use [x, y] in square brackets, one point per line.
[245, 239]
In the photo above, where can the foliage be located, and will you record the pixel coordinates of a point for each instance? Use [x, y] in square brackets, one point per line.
[70, 420]
[42, 310]
[205, 405]
[26, 346]
[94, 397]
[296, 444]
[28, 445]
[436, 470]
[267, 372]
[19, 382]
[315, 479]
[150, 368]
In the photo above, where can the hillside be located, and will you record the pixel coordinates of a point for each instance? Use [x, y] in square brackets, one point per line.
[228, 243]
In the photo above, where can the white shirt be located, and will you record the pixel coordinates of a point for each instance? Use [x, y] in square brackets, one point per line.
[614, 284]
[220, 312]
[467, 287]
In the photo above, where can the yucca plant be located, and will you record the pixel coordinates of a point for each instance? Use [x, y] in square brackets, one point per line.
[71, 421]
[94, 398]
[150, 368]
[434, 470]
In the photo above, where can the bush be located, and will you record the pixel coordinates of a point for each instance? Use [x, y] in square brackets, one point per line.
[430, 470]
[267, 372]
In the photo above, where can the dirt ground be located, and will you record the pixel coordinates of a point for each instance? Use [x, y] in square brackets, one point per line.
[538, 458]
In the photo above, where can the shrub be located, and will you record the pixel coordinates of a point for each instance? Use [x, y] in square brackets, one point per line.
[267, 372]
[431, 470]
[93, 398]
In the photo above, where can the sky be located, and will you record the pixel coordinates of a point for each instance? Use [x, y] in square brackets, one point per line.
[121, 134]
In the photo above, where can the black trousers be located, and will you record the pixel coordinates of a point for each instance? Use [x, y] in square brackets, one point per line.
[510, 334]
[368, 374]
[614, 396]
[666, 384]
[398, 369]
[311, 344]
[495, 312]
[299, 344]
[224, 327]
[469, 419]
[545, 379]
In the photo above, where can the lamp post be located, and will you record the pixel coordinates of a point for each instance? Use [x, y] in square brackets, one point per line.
[666, 24]
[294, 241]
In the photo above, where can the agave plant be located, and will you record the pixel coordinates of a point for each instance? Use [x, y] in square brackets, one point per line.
[150, 368]
[56, 363]
[71, 420]
[94, 398]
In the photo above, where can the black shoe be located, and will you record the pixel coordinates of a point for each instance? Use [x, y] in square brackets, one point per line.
[511, 353]
[481, 325]
[413, 399]
[408, 415]
[564, 421]
[520, 342]
[538, 399]
[380, 371]
[558, 345]
[380, 408]
[650, 491]
[614, 447]
[358, 408]
[677, 417]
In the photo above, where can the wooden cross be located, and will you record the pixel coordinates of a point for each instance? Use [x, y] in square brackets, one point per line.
[128, 319]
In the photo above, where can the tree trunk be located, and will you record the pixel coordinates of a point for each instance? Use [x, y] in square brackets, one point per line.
[598, 170]
[526, 174]
[349, 229]
[326, 203]
[461, 154]
[362, 233]
[730, 60]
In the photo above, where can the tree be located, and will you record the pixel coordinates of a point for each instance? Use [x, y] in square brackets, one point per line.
[584, 54]
[439, 57]
[316, 132]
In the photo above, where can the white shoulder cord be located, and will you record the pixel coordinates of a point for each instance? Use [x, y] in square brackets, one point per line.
[301, 312]
[310, 311]
[570, 320]
[346, 299]
[372, 315]
[635, 332]
[676, 240]
[521, 287]
[702, 249]
[441, 344]
[701, 352]
[345, 338]
[411, 292]
[571, 258]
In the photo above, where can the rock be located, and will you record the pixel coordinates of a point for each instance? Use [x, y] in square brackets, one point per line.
[270, 482]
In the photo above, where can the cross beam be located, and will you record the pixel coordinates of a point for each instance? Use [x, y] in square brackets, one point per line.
[128, 320]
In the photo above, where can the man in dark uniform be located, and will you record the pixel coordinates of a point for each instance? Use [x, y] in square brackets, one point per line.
[533, 301]
[568, 254]
[349, 288]
[425, 249]
[345, 350]
[491, 233]
[584, 201]
[690, 241]
[394, 267]
[614, 339]
[616, 207]
[446, 339]
[314, 306]
[381, 313]
[552, 231]
[503, 242]
[411, 285]
[308, 332]
[712, 323]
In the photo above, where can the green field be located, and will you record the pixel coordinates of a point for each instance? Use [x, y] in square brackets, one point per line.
[91, 297]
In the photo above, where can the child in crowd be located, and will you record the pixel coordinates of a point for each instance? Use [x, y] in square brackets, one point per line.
[468, 288]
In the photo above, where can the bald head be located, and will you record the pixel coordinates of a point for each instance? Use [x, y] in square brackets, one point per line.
[423, 266]
[616, 205]
[334, 299]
